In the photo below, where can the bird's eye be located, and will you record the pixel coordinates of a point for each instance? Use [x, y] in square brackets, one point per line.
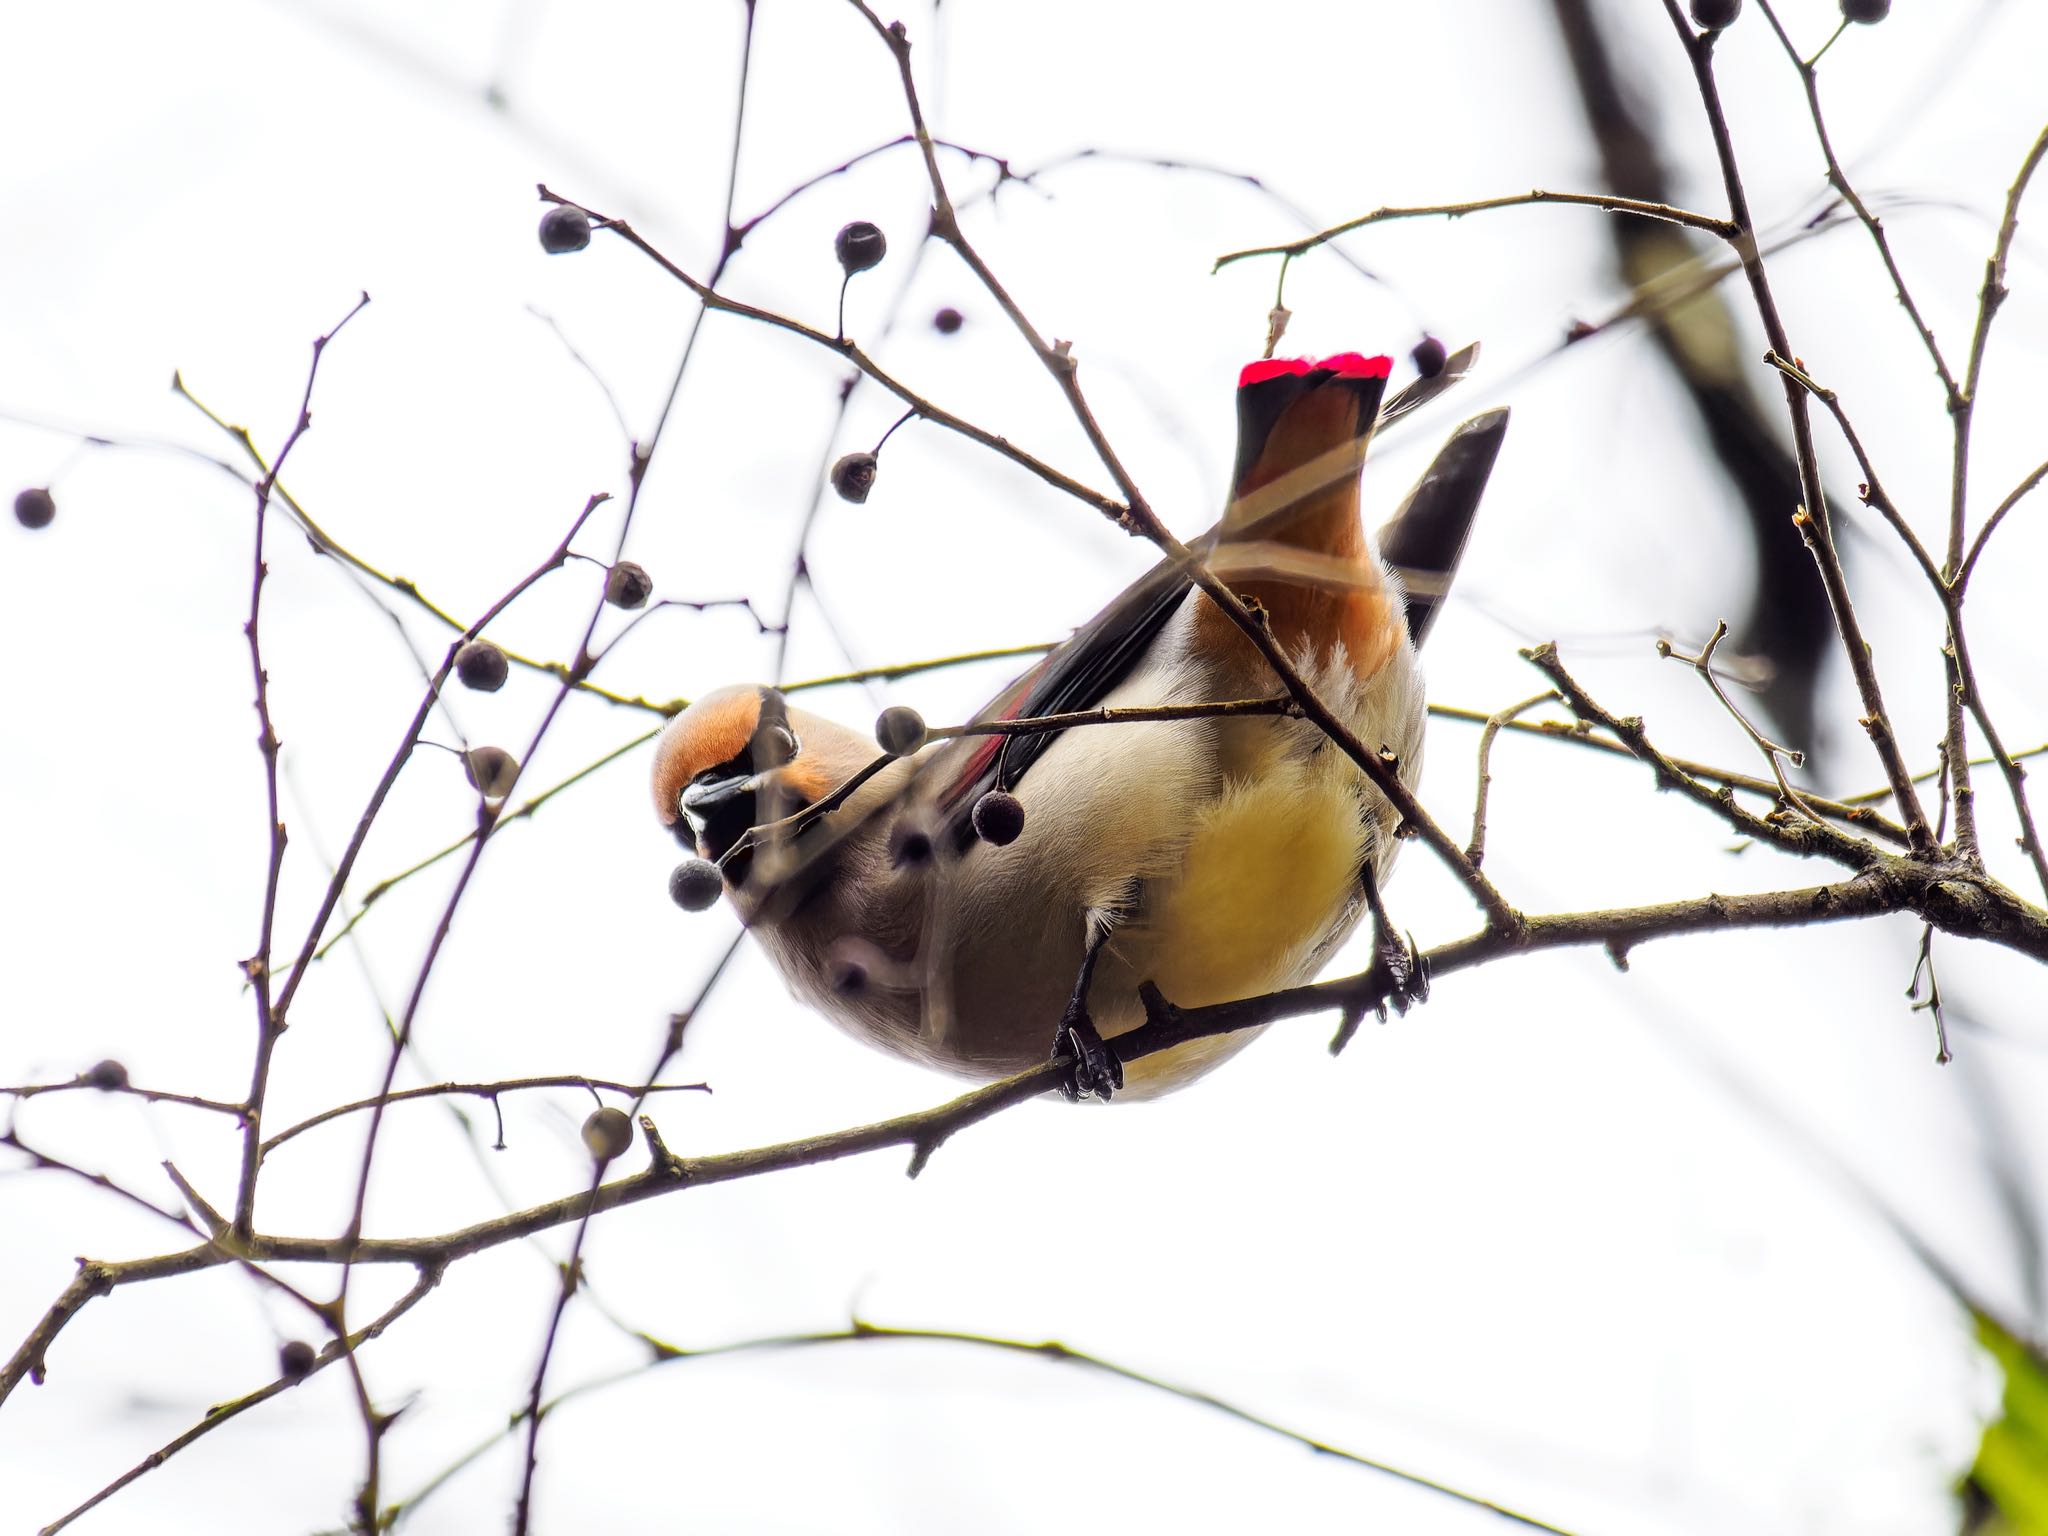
[782, 742]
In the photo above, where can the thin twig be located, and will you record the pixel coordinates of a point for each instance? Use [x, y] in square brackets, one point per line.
[1955, 761]
[1963, 409]
[571, 1271]
[862, 1332]
[1809, 75]
[1928, 776]
[852, 352]
[642, 458]
[220, 1413]
[524, 810]
[367, 1497]
[85, 1082]
[1874, 494]
[1475, 847]
[1805, 836]
[325, 543]
[1991, 523]
[1932, 1002]
[491, 1091]
[44, 1160]
[1579, 733]
[1812, 519]
[908, 668]
[269, 1023]
[1774, 753]
[1662, 212]
[1966, 686]
[1989, 298]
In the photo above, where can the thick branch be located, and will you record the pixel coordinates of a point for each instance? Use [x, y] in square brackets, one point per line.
[1960, 902]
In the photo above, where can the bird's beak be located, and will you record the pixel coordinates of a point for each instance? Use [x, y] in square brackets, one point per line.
[719, 811]
[701, 799]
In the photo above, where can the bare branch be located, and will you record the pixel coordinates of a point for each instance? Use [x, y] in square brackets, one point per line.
[863, 1332]
[1989, 298]
[269, 1025]
[221, 1413]
[1856, 810]
[1804, 836]
[1774, 754]
[1991, 523]
[1662, 212]
[86, 1082]
[1812, 519]
[1809, 76]
[1475, 846]
[491, 1091]
[1874, 494]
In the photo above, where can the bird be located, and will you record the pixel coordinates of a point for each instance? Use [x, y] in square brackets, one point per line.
[984, 901]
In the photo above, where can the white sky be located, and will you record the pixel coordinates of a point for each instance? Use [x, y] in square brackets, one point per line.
[1558, 1239]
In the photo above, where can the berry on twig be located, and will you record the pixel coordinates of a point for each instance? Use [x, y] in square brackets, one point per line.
[564, 228]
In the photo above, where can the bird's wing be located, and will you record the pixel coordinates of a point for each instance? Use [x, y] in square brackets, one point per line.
[1077, 675]
[1425, 537]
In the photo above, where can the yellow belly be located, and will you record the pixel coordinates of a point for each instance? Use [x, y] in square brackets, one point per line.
[1271, 869]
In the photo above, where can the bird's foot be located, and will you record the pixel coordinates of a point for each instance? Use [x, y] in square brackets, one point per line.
[1401, 966]
[1096, 1069]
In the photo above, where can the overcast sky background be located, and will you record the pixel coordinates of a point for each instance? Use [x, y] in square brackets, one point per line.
[1576, 1241]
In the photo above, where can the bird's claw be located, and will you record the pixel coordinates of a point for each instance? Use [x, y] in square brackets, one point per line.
[1403, 968]
[1095, 1068]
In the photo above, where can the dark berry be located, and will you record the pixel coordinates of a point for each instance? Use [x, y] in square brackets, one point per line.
[628, 585]
[608, 1133]
[491, 771]
[481, 665]
[1429, 354]
[854, 476]
[900, 730]
[33, 508]
[947, 321]
[859, 246]
[107, 1075]
[1870, 12]
[998, 818]
[1715, 14]
[295, 1359]
[695, 885]
[564, 229]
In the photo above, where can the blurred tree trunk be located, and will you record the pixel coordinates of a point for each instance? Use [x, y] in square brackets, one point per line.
[1788, 623]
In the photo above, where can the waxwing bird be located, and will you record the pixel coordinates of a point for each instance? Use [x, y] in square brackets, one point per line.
[907, 899]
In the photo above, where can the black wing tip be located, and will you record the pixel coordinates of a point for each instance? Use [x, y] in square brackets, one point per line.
[1494, 421]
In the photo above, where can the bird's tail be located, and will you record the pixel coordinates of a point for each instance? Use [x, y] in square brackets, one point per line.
[1291, 539]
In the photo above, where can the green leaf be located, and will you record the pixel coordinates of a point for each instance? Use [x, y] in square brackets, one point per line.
[2011, 1469]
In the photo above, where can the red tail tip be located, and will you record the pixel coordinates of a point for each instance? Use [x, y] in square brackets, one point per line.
[1345, 365]
[1270, 368]
[1355, 365]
